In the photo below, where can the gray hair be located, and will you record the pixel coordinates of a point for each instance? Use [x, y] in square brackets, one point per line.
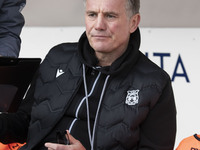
[132, 7]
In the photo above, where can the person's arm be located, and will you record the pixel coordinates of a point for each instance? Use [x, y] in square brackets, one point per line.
[11, 23]
[14, 127]
[159, 129]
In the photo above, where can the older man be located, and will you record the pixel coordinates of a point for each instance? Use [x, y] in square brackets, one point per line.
[102, 90]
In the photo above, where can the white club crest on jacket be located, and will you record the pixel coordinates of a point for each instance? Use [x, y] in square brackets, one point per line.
[132, 97]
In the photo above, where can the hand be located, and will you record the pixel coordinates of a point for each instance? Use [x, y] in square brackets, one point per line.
[74, 145]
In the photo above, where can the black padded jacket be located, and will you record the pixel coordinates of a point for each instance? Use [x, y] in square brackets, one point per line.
[138, 108]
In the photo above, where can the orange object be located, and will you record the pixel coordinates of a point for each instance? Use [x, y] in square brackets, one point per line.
[11, 146]
[190, 143]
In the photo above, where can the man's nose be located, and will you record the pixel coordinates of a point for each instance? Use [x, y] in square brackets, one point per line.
[100, 23]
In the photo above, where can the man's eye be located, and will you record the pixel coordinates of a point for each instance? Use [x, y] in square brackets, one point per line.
[92, 15]
[110, 16]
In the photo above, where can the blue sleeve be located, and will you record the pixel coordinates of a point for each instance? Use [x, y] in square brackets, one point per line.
[11, 23]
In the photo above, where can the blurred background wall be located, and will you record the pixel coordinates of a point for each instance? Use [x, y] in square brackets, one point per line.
[155, 13]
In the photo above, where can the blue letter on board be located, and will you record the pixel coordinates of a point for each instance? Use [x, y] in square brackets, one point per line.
[184, 74]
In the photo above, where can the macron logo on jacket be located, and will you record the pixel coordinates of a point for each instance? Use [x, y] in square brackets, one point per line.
[59, 72]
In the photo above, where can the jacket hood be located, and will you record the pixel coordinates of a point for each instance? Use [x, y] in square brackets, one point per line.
[123, 63]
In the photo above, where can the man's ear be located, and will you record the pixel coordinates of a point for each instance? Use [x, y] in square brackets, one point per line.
[134, 22]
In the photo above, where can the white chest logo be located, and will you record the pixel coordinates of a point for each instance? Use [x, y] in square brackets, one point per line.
[59, 72]
[132, 97]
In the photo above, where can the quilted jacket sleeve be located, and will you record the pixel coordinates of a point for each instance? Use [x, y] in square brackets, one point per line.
[159, 129]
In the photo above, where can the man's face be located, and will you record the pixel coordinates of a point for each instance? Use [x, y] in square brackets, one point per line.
[108, 27]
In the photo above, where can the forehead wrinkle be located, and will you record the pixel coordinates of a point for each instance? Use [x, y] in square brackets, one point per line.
[102, 7]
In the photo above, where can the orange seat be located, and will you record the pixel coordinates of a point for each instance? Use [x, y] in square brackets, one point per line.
[190, 143]
[11, 146]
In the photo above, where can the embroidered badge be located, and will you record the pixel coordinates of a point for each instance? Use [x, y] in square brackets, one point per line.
[132, 97]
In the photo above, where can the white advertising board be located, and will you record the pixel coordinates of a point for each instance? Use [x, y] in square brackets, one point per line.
[176, 50]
